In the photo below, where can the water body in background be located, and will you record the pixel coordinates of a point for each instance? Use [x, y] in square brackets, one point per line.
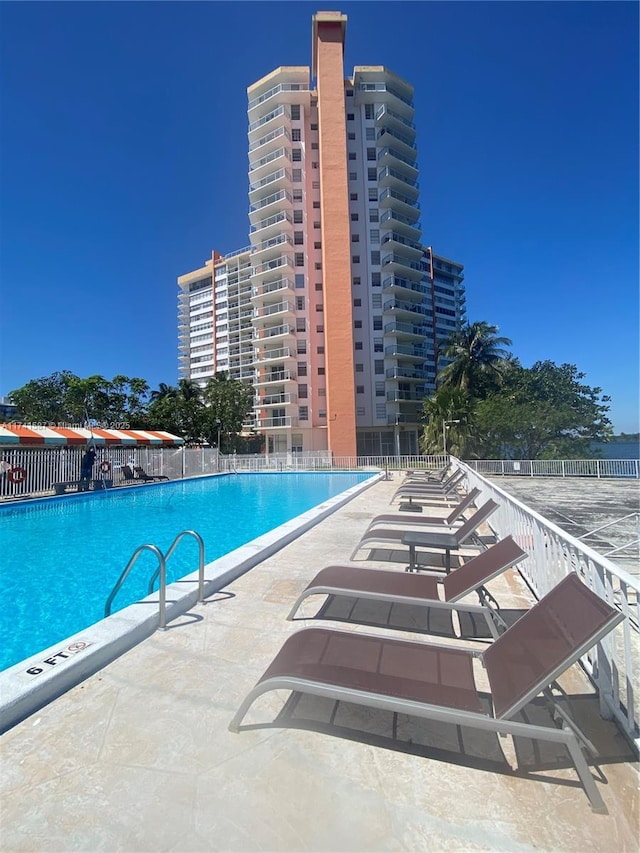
[617, 450]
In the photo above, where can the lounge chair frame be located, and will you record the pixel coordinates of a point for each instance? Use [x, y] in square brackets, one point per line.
[282, 674]
[465, 580]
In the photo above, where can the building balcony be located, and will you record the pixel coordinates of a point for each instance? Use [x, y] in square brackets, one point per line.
[404, 287]
[269, 248]
[408, 331]
[396, 264]
[269, 205]
[405, 310]
[395, 138]
[407, 374]
[395, 242]
[278, 117]
[406, 351]
[265, 314]
[387, 93]
[399, 182]
[403, 418]
[415, 396]
[280, 158]
[262, 378]
[288, 93]
[410, 228]
[388, 117]
[283, 263]
[281, 222]
[266, 334]
[282, 286]
[395, 160]
[267, 355]
[278, 179]
[283, 398]
[390, 199]
[277, 422]
[272, 140]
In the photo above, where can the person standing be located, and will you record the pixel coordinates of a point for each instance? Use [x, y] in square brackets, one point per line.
[86, 468]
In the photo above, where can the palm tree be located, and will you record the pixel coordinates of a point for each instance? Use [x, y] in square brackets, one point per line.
[451, 409]
[477, 358]
[164, 392]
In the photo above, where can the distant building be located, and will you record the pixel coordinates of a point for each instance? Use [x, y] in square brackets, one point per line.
[8, 410]
[336, 312]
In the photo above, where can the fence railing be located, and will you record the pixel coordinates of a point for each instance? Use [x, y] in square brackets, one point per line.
[616, 468]
[614, 665]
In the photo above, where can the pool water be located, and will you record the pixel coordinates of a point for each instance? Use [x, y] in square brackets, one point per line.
[61, 557]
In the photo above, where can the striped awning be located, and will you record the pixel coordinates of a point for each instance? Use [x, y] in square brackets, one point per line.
[13, 435]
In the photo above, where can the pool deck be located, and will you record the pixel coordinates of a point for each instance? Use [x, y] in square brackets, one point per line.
[139, 757]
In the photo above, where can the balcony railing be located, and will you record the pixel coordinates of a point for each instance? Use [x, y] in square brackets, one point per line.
[282, 216]
[274, 114]
[404, 349]
[269, 137]
[388, 172]
[279, 421]
[278, 308]
[401, 305]
[384, 110]
[270, 179]
[281, 195]
[272, 287]
[276, 90]
[406, 140]
[398, 259]
[273, 355]
[406, 373]
[403, 241]
[389, 193]
[385, 87]
[275, 155]
[395, 281]
[274, 264]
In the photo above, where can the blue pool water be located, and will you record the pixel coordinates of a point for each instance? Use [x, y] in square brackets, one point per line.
[60, 557]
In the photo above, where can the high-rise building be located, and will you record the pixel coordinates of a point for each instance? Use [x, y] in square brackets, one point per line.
[337, 311]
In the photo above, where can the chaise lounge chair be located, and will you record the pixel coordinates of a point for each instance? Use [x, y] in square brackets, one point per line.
[429, 490]
[447, 538]
[436, 682]
[141, 474]
[430, 520]
[401, 588]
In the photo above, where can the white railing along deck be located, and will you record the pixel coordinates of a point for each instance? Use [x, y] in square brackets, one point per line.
[614, 665]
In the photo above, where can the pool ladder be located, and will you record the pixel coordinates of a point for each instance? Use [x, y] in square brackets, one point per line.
[162, 572]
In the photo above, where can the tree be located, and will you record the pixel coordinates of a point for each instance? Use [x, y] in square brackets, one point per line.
[447, 404]
[228, 403]
[542, 412]
[477, 359]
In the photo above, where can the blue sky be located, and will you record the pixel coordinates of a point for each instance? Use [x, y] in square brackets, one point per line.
[123, 160]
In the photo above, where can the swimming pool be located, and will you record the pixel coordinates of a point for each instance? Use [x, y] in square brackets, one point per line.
[60, 557]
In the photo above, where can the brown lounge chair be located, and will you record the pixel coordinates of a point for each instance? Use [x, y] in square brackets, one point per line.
[447, 538]
[429, 520]
[436, 682]
[402, 588]
[430, 491]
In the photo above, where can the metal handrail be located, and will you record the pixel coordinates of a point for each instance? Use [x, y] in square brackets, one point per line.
[162, 572]
[134, 557]
[172, 548]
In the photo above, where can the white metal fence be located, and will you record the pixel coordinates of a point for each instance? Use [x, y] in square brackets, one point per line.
[616, 468]
[552, 554]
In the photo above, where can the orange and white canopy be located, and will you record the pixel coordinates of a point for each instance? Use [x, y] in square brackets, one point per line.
[14, 435]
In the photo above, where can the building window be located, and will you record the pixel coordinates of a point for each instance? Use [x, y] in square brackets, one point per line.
[316, 205]
[376, 280]
[357, 324]
[315, 185]
[350, 116]
[296, 175]
[314, 146]
[319, 285]
[357, 303]
[379, 389]
[315, 165]
[299, 259]
[360, 411]
[371, 174]
[355, 238]
[378, 345]
[317, 225]
[355, 259]
[320, 350]
[296, 195]
[370, 134]
[352, 155]
[353, 196]
[355, 217]
[322, 392]
[302, 368]
[378, 366]
[320, 329]
[302, 392]
[295, 112]
[302, 348]
[299, 281]
[359, 389]
[318, 265]
[374, 236]
[359, 368]
[298, 238]
[296, 155]
[299, 303]
[373, 194]
[321, 371]
[320, 306]
[358, 344]
[375, 258]
[314, 127]
[322, 413]
[351, 136]
[353, 176]
[374, 215]
[303, 413]
[317, 245]
[376, 300]
[295, 134]
[368, 112]
[301, 324]
[371, 154]
[297, 217]
[349, 93]
[377, 324]
[355, 281]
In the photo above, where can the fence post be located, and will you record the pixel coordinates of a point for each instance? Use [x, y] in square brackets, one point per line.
[598, 467]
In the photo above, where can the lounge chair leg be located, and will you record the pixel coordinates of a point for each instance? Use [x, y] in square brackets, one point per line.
[582, 769]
